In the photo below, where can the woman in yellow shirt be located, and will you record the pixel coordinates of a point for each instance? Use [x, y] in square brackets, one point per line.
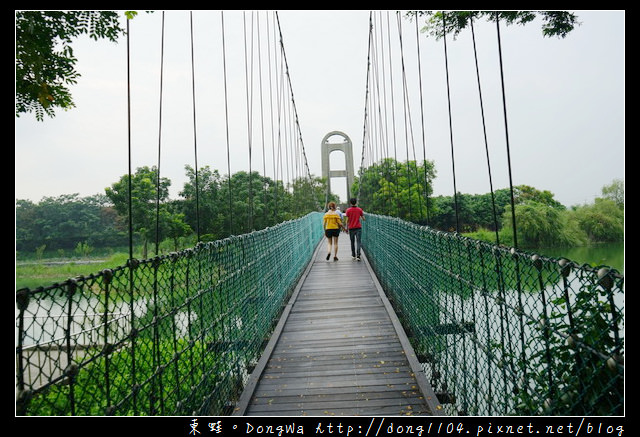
[332, 224]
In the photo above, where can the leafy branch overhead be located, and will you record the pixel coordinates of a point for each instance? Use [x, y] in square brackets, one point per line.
[555, 23]
[45, 62]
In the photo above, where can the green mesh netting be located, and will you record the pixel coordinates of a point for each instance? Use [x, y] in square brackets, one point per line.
[173, 335]
[500, 331]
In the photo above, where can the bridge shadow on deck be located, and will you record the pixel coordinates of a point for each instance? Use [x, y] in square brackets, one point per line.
[338, 349]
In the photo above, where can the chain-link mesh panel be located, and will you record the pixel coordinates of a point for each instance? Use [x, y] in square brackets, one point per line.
[173, 335]
[499, 331]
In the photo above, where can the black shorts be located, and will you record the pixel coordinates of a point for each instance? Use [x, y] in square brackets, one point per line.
[332, 233]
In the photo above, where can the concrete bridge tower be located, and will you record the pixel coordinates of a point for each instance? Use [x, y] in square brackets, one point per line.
[344, 146]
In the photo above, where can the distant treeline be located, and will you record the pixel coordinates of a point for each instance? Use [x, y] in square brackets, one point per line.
[404, 189]
[244, 202]
[220, 207]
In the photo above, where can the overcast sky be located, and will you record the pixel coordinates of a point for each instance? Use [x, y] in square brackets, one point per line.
[564, 101]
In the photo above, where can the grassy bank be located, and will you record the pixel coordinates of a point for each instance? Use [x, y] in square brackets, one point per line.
[44, 272]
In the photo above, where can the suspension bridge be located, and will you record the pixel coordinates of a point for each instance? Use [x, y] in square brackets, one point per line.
[261, 323]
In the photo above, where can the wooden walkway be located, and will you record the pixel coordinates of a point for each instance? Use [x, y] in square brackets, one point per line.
[338, 349]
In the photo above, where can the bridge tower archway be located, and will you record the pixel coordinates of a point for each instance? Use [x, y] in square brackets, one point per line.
[344, 145]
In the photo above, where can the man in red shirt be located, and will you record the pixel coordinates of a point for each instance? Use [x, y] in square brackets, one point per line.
[355, 216]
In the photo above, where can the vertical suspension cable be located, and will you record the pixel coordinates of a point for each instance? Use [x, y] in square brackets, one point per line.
[264, 158]
[484, 130]
[226, 112]
[129, 196]
[278, 161]
[513, 209]
[195, 142]
[155, 355]
[159, 138]
[393, 116]
[271, 112]
[424, 143]
[409, 137]
[131, 262]
[506, 133]
[453, 161]
[249, 98]
[407, 113]
[384, 153]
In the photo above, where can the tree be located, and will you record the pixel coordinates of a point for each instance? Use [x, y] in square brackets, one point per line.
[555, 23]
[63, 222]
[603, 221]
[250, 202]
[525, 194]
[615, 192]
[173, 226]
[540, 225]
[45, 63]
[202, 212]
[147, 195]
[308, 194]
[397, 189]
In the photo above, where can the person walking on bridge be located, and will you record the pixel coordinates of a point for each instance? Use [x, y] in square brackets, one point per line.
[355, 217]
[332, 224]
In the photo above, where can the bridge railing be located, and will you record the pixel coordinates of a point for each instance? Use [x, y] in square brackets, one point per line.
[173, 335]
[500, 331]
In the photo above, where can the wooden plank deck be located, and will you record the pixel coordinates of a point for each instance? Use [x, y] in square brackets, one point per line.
[338, 350]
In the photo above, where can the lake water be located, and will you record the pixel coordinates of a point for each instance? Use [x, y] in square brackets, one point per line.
[609, 254]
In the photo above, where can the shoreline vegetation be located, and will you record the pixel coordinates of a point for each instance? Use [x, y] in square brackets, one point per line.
[32, 273]
[66, 236]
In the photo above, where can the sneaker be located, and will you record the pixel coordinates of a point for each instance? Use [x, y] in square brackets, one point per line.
[328, 256]
[358, 258]
[353, 258]
[335, 258]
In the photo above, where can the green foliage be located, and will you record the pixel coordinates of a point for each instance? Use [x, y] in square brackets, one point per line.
[222, 207]
[90, 391]
[541, 221]
[541, 225]
[615, 192]
[484, 211]
[603, 221]
[555, 23]
[494, 324]
[584, 382]
[45, 62]
[36, 274]
[83, 249]
[40, 250]
[200, 318]
[244, 202]
[60, 223]
[395, 188]
[404, 190]
[526, 194]
[150, 213]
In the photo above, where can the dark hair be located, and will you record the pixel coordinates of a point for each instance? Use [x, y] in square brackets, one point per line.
[353, 200]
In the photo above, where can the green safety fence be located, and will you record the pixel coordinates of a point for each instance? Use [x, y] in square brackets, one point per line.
[501, 331]
[173, 335]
